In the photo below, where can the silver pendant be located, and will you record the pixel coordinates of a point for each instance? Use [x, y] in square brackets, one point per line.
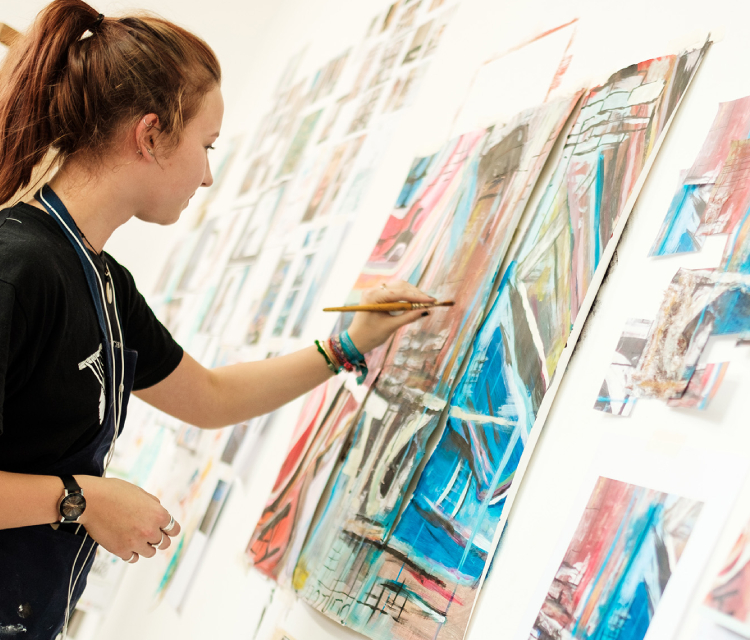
[109, 292]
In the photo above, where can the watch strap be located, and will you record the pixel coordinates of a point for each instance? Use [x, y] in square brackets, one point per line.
[70, 484]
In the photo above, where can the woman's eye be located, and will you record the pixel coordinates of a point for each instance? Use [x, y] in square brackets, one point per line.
[210, 148]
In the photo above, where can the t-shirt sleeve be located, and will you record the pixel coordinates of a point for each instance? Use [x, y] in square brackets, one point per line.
[158, 353]
[12, 332]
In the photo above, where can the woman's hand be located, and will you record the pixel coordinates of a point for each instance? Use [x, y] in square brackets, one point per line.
[371, 329]
[125, 519]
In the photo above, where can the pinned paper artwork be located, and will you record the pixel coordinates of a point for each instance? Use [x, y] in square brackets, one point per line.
[729, 598]
[616, 396]
[713, 195]
[618, 565]
[730, 198]
[702, 387]
[732, 122]
[736, 256]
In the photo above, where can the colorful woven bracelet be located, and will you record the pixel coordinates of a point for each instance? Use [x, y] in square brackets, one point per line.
[339, 353]
[350, 350]
[337, 362]
[322, 352]
[353, 355]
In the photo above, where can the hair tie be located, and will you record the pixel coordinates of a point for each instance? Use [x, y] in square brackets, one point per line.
[92, 29]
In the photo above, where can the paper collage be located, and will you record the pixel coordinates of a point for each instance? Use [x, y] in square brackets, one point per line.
[707, 202]
[713, 199]
[616, 395]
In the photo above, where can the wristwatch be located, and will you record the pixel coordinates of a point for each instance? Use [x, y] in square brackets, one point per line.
[73, 504]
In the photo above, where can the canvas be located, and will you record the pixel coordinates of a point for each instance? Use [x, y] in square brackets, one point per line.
[321, 430]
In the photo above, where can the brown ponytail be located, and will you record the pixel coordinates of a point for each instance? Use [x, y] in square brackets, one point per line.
[63, 95]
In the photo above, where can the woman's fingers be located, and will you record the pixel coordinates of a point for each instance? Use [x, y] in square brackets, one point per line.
[396, 291]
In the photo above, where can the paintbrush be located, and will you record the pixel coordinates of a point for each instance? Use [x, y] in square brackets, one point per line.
[392, 306]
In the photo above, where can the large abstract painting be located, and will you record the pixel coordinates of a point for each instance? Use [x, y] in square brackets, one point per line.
[478, 205]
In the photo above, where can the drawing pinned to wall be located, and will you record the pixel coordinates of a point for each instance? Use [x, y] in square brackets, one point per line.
[729, 598]
[619, 563]
[258, 323]
[616, 395]
[299, 142]
[224, 299]
[417, 43]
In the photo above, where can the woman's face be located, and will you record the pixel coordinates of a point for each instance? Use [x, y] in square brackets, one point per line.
[178, 172]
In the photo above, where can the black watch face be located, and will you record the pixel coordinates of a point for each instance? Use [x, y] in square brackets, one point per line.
[72, 506]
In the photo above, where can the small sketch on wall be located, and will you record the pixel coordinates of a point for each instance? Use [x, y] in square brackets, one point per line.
[618, 564]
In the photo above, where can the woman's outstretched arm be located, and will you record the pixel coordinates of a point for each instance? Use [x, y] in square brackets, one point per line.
[223, 396]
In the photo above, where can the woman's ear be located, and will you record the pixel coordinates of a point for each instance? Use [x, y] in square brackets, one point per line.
[145, 135]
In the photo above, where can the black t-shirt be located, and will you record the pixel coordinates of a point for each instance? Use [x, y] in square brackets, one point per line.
[51, 391]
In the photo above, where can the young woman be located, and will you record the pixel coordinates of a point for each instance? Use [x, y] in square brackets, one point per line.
[127, 109]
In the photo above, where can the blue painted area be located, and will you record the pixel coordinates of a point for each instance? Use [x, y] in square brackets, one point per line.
[448, 526]
[678, 233]
[418, 172]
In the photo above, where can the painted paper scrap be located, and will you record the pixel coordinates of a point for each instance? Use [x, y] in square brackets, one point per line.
[696, 305]
[702, 387]
[679, 231]
[616, 396]
[730, 199]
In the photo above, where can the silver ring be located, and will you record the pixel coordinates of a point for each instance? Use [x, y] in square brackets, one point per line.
[170, 526]
[156, 545]
[131, 560]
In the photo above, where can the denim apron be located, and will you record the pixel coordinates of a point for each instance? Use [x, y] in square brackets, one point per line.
[37, 562]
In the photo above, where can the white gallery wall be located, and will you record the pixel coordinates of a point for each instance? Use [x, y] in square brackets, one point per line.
[254, 41]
